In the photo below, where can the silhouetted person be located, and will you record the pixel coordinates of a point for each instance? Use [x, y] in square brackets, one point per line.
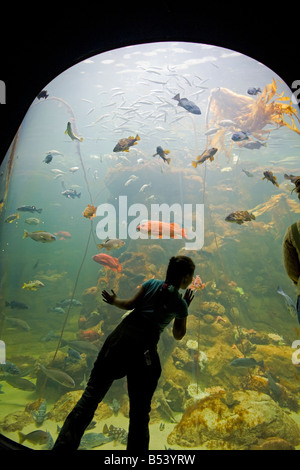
[131, 351]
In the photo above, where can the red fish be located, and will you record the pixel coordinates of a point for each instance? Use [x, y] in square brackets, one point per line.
[89, 335]
[63, 235]
[108, 261]
[158, 229]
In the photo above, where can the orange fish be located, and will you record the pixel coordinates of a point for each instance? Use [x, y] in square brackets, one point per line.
[89, 335]
[63, 235]
[157, 228]
[108, 261]
[89, 212]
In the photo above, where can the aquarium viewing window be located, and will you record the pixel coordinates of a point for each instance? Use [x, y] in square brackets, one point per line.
[122, 161]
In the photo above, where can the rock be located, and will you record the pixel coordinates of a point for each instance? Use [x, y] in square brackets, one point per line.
[156, 254]
[181, 357]
[66, 403]
[212, 424]
[212, 308]
[175, 395]
[274, 443]
[209, 318]
[161, 406]
[16, 421]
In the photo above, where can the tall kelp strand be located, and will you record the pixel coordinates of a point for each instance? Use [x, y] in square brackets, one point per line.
[229, 111]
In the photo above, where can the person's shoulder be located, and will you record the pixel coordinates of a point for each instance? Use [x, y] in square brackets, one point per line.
[152, 283]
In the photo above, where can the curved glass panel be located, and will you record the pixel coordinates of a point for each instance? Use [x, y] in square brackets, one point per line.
[118, 140]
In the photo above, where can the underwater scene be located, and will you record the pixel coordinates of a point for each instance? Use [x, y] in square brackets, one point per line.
[124, 160]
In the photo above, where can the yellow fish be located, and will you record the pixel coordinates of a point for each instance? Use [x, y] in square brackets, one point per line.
[11, 218]
[33, 285]
[206, 155]
[71, 134]
[40, 236]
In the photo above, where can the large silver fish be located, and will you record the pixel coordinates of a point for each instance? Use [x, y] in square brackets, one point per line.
[58, 376]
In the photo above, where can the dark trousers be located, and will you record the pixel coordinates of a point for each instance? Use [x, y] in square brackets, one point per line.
[126, 352]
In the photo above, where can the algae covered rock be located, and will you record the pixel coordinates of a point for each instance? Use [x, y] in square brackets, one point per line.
[212, 424]
[66, 403]
[16, 421]
[212, 308]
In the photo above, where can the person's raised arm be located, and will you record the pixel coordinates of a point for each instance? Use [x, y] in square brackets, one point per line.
[125, 304]
[179, 325]
[179, 328]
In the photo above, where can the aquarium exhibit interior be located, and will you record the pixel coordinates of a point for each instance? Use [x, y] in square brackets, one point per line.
[201, 143]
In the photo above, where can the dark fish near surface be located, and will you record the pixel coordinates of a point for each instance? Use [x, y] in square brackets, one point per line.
[253, 91]
[42, 94]
[240, 136]
[187, 104]
[58, 376]
[289, 303]
[124, 144]
[246, 362]
[270, 177]
[35, 437]
[17, 305]
[239, 217]
[162, 153]
[29, 209]
[48, 158]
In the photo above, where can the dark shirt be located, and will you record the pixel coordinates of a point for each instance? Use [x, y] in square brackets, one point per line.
[157, 314]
